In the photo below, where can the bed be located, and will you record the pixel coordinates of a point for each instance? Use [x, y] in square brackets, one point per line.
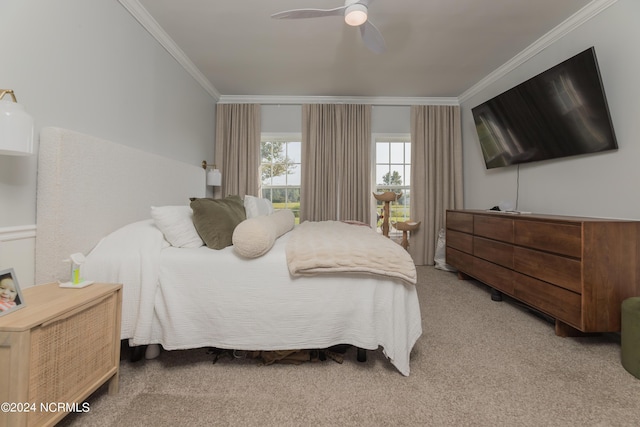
[95, 197]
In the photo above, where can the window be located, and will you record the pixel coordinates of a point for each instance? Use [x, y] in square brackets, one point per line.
[281, 170]
[393, 173]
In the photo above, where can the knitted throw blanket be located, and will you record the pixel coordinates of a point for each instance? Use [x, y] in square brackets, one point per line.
[334, 246]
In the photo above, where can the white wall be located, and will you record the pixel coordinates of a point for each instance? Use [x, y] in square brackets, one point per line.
[599, 185]
[281, 118]
[288, 119]
[89, 66]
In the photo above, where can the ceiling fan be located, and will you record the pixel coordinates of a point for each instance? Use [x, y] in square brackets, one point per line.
[355, 13]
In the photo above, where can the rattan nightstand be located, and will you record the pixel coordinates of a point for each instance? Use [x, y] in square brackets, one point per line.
[57, 350]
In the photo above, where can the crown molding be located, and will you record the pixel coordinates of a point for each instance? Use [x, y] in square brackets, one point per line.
[151, 25]
[574, 21]
[297, 100]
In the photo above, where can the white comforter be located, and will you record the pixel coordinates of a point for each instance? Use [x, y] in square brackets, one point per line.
[189, 298]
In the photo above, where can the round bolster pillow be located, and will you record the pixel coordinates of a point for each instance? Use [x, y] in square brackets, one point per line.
[254, 237]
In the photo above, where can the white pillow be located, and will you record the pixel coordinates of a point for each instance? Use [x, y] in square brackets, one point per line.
[256, 206]
[176, 223]
[255, 236]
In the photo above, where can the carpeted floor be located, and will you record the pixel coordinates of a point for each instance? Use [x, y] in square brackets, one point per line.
[478, 363]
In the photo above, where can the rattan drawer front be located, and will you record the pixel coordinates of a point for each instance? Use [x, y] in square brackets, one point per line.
[61, 363]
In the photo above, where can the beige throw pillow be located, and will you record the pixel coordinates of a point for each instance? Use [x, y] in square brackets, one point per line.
[256, 236]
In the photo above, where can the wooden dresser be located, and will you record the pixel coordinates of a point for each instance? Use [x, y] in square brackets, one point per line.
[57, 350]
[576, 270]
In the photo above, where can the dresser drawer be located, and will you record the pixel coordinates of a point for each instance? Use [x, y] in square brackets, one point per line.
[494, 251]
[460, 221]
[556, 269]
[565, 239]
[460, 260]
[461, 241]
[498, 277]
[557, 302]
[494, 227]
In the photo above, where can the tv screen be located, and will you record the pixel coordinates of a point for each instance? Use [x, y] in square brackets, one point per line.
[558, 113]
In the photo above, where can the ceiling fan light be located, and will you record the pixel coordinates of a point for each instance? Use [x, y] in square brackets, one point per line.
[355, 15]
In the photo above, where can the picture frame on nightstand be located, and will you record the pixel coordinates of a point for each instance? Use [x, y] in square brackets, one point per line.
[11, 298]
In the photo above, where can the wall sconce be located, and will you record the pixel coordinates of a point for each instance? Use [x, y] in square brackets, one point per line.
[16, 127]
[214, 177]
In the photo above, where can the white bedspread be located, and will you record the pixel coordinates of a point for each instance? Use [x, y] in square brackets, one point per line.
[189, 298]
[130, 256]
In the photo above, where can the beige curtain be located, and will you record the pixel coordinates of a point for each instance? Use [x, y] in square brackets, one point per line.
[237, 148]
[436, 174]
[354, 164]
[336, 150]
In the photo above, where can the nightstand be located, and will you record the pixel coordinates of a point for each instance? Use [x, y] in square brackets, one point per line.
[58, 349]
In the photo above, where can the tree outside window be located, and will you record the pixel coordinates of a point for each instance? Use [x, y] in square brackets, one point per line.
[280, 172]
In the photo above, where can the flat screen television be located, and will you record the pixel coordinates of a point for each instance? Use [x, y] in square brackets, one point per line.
[558, 113]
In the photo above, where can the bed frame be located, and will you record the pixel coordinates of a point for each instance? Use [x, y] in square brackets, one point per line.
[89, 187]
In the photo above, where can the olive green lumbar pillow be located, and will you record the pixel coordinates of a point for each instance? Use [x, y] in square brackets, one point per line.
[215, 219]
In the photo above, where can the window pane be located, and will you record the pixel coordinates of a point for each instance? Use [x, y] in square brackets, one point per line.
[403, 201]
[294, 152]
[397, 175]
[381, 174]
[407, 174]
[294, 176]
[397, 152]
[265, 172]
[382, 152]
[265, 152]
[407, 152]
[293, 197]
[280, 179]
[278, 195]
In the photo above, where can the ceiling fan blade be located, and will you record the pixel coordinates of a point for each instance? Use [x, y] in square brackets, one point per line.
[372, 37]
[309, 13]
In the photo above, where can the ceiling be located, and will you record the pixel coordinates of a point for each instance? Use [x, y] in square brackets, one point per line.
[434, 48]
